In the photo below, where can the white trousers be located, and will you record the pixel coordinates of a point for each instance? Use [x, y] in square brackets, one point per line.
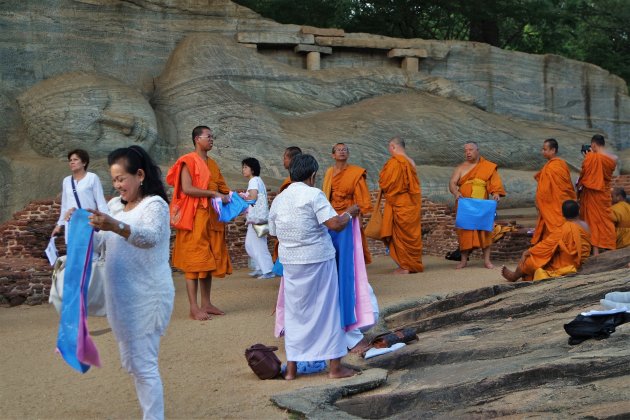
[139, 357]
[257, 249]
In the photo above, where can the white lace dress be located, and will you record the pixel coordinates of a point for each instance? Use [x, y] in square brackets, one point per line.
[139, 291]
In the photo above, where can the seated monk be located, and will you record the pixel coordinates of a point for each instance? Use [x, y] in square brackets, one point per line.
[561, 252]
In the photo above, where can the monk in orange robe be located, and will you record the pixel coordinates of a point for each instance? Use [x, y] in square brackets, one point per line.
[345, 185]
[621, 217]
[289, 153]
[401, 230]
[594, 194]
[554, 188]
[478, 178]
[200, 250]
[562, 252]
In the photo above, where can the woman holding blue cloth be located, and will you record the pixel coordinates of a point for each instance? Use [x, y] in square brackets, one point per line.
[139, 290]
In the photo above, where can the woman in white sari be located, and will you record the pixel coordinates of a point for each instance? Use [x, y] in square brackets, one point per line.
[300, 217]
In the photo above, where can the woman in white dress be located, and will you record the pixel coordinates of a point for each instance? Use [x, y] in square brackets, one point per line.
[139, 290]
[257, 247]
[300, 217]
[87, 185]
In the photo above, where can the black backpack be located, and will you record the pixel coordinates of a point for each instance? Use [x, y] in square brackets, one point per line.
[598, 327]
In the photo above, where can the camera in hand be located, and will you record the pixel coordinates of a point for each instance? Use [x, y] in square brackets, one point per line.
[585, 148]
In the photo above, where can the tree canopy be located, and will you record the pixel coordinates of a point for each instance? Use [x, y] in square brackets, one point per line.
[595, 31]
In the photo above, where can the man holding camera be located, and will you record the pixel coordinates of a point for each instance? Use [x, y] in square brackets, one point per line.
[554, 188]
[594, 193]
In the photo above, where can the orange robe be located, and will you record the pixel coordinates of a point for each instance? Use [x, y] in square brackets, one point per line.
[346, 188]
[554, 188]
[621, 219]
[484, 172]
[274, 254]
[204, 249]
[401, 228]
[595, 199]
[563, 251]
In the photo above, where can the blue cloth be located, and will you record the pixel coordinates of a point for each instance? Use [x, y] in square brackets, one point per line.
[277, 268]
[475, 214]
[344, 245]
[305, 368]
[229, 211]
[76, 282]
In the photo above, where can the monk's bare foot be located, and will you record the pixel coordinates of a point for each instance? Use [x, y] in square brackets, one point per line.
[508, 274]
[213, 310]
[400, 271]
[199, 315]
[488, 265]
[291, 372]
[461, 265]
[341, 372]
[360, 347]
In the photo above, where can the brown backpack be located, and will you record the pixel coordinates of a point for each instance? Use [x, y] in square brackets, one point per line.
[263, 361]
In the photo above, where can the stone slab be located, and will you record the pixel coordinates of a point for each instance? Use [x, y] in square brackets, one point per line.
[280, 38]
[322, 31]
[408, 52]
[312, 48]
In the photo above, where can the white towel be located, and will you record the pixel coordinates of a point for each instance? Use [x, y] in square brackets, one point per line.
[377, 352]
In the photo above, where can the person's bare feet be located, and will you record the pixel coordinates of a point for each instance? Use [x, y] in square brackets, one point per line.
[360, 347]
[341, 372]
[213, 310]
[461, 265]
[199, 314]
[400, 271]
[508, 274]
[488, 265]
[291, 372]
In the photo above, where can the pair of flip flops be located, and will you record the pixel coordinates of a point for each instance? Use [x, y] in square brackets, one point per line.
[388, 339]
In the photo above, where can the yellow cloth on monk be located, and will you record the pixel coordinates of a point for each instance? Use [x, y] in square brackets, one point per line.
[565, 247]
[478, 188]
[621, 219]
[554, 188]
[595, 199]
[402, 214]
[203, 249]
[485, 171]
[346, 188]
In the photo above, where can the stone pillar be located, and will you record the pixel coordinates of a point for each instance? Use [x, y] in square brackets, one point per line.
[411, 64]
[313, 60]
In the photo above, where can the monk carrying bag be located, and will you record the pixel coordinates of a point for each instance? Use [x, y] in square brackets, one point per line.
[263, 361]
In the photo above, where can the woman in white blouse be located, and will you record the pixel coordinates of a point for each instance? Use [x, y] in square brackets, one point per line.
[300, 217]
[82, 189]
[139, 290]
[257, 247]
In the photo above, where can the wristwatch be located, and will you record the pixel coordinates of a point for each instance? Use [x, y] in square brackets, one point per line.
[121, 227]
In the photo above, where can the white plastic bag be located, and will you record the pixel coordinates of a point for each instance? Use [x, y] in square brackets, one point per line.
[96, 291]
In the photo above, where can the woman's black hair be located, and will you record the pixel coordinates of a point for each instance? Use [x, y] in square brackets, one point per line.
[82, 154]
[253, 164]
[135, 158]
[302, 167]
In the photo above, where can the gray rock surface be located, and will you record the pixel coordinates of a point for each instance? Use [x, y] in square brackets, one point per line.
[501, 352]
[100, 73]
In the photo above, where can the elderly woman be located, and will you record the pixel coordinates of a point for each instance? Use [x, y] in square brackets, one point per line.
[82, 189]
[299, 217]
[139, 290]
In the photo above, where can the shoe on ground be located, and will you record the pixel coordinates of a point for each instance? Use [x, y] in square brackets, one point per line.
[255, 273]
[267, 276]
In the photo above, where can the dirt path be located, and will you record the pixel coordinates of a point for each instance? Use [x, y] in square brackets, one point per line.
[203, 368]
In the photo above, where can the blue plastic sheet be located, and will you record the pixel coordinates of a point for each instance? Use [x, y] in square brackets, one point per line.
[229, 211]
[344, 245]
[475, 214]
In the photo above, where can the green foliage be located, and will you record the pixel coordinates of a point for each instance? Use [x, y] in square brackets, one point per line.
[595, 31]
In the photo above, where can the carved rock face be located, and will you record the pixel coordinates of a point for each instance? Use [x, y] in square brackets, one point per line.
[88, 111]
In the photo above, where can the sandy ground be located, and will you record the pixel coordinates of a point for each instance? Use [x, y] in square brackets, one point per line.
[203, 367]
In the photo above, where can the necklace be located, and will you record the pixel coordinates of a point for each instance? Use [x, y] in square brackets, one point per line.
[132, 204]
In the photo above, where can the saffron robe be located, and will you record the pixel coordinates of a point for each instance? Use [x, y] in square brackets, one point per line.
[562, 251]
[554, 188]
[401, 228]
[481, 181]
[204, 249]
[621, 219]
[346, 188]
[595, 200]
